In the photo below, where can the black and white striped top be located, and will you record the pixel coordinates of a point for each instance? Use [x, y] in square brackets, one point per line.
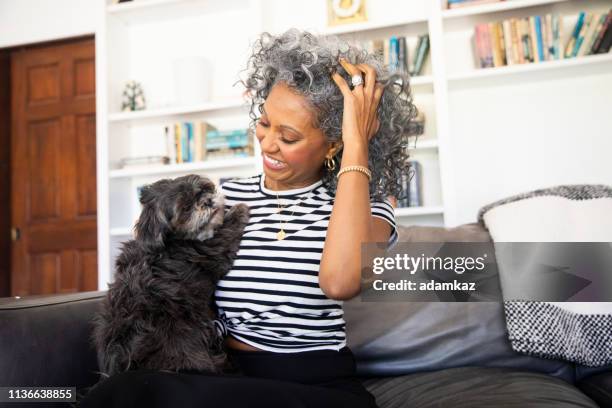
[271, 298]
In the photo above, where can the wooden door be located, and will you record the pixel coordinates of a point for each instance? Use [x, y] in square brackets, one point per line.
[53, 169]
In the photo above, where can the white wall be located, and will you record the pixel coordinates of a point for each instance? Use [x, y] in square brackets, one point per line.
[519, 136]
[31, 21]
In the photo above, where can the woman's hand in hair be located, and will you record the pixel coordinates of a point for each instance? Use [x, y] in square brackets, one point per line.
[360, 119]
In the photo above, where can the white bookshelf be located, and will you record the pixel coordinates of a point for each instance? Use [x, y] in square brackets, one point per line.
[185, 168]
[495, 7]
[372, 25]
[136, 40]
[175, 111]
[587, 62]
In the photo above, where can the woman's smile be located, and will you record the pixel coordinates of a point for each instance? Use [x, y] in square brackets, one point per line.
[272, 163]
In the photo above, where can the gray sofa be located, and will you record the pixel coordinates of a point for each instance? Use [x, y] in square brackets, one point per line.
[408, 354]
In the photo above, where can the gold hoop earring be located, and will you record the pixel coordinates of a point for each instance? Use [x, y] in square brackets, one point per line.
[330, 163]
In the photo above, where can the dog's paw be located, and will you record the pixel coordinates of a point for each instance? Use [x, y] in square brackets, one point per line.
[240, 212]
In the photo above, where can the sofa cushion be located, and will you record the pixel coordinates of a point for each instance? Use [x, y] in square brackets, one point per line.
[473, 232]
[599, 388]
[476, 387]
[396, 338]
[45, 340]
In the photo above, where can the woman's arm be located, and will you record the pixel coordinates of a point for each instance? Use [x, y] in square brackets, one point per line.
[350, 225]
[351, 222]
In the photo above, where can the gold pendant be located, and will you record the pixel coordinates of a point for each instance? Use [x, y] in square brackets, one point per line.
[280, 235]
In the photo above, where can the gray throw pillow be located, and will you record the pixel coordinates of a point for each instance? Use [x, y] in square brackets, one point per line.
[396, 338]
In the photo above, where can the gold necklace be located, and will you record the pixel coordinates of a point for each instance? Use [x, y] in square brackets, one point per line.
[280, 235]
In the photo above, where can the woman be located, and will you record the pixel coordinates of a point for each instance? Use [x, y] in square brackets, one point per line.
[333, 132]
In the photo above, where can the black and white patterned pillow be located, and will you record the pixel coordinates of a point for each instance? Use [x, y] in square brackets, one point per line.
[575, 331]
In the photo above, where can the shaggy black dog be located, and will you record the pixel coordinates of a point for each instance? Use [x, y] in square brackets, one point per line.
[158, 313]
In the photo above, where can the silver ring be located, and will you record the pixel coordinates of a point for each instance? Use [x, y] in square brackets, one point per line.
[356, 80]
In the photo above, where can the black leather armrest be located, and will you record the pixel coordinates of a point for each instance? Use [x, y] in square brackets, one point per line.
[45, 340]
[599, 388]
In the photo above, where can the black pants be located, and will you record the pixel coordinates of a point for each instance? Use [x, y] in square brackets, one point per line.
[315, 379]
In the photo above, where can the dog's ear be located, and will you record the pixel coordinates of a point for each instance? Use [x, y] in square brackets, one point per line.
[147, 194]
[152, 225]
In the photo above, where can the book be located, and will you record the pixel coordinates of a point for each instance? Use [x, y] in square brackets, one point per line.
[190, 141]
[477, 43]
[414, 184]
[539, 37]
[496, 49]
[534, 39]
[501, 43]
[572, 40]
[556, 33]
[197, 141]
[589, 37]
[403, 198]
[402, 55]
[386, 53]
[393, 54]
[488, 45]
[469, 3]
[177, 143]
[548, 38]
[516, 42]
[205, 128]
[602, 33]
[526, 40]
[421, 55]
[583, 30]
[507, 31]
[604, 48]
[143, 161]
[185, 143]
[412, 67]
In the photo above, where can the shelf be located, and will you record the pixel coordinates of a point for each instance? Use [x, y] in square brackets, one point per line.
[214, 164]
[162, 113]
[416, 211]
[148, 11]
[532, 67]
[369, 25]
[121, 232]
[495, 7]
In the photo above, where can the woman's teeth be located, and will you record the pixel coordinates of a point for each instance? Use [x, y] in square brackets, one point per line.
[274, 164]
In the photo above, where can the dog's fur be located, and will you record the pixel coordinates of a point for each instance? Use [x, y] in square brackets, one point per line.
[158, 312]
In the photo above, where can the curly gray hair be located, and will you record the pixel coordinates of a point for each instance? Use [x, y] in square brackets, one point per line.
[305, 62]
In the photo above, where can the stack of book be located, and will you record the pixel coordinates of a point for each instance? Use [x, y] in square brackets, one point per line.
[538, 38]
[453, 4]
[229, 143]
[396, 55]
[412, 187]
[197, 141]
